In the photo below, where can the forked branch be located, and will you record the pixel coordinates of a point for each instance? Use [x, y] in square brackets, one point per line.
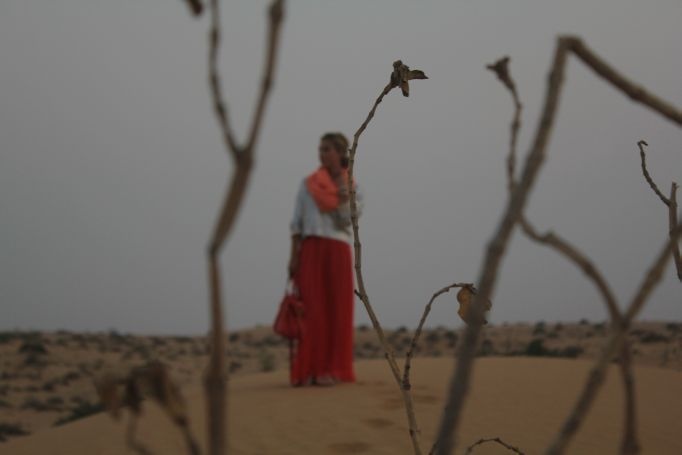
[497, 246]
[415, 339]
[499, 441]
[670, 202]
[242, 157]
[616, 338]
[630, 444]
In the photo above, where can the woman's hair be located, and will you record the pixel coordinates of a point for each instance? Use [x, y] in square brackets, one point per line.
[340, 143]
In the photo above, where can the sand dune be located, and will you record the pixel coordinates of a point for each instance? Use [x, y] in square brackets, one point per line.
[521, 400]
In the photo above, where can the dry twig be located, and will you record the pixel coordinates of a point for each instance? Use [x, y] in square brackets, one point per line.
[616, 338]
[629, 445]
[242, 157]
[496, 248]
[154, 381]
[400, 77]
[415, 339]
[670, 202]
[499, 441]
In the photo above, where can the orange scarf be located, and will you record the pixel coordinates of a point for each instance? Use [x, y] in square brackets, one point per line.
[323, 189]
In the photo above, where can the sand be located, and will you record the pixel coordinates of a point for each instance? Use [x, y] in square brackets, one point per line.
[521, 400]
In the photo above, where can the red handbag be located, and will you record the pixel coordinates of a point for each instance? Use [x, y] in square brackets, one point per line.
[289, 320]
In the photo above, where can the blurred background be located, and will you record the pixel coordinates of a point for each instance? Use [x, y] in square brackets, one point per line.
[112, 167]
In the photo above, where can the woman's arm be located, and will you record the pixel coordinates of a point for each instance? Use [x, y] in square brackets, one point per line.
[293, 257]
[296, 227]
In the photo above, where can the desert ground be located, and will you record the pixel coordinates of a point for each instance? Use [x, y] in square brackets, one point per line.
[522, 390]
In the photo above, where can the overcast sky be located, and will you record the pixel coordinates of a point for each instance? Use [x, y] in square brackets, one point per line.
[112, 167]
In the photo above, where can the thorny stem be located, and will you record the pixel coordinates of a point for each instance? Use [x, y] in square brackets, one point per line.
[242, 156]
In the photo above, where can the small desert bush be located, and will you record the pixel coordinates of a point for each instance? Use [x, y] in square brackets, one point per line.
[451, 336]
[266, 360]
[7, 337]
[539, 328]
[536, 348]
[82, 410]
[432, 338]
[674, 327]
[34, 360]
[55, 402]
[571, 352]
[5, 404]
[11, 429]
[487, 348]
[653, 337]
[32, 346]
[35, 404]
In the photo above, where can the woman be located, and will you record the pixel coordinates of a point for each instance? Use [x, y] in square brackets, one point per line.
[321, 268]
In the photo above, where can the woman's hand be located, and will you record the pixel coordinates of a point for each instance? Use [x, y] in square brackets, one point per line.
[342, 186]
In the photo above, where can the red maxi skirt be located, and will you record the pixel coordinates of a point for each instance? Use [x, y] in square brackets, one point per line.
[325, 284]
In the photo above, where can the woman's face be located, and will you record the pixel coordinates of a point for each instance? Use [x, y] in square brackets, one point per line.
[329, 157]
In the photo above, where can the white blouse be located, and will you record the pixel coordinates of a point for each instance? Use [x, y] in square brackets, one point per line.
[309, 221]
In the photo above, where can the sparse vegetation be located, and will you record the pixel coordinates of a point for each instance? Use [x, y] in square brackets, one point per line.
[8, 430]
[652, 337]
[267, 360]
[82, 410]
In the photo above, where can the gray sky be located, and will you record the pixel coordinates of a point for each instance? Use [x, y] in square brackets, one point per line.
[112, 167]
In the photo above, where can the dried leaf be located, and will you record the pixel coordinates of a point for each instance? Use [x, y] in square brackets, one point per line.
[195, 6]
[501, 69]
[402, 74]
[465, 297]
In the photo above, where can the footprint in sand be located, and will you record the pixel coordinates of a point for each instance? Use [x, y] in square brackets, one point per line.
[349, 447]
[378, 423]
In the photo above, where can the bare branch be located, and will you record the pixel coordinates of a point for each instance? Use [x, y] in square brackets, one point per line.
[501, 69]
[216, 374]
[276, 15]
[459, 384]
[362, 293]
[408, 359]
[647, 176]
[496, 248]
[670, 202]
[499, 441]
[635, 92]
[614, 343]
[672, 225]
[399, 78]
[219, 105]
[629, 445]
